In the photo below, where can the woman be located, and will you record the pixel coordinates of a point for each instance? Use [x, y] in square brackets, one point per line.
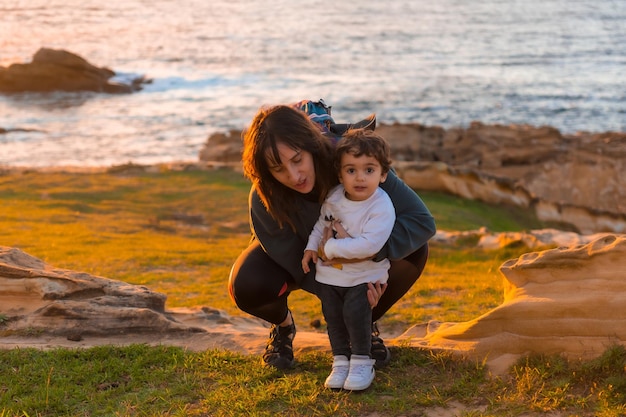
[290, 164]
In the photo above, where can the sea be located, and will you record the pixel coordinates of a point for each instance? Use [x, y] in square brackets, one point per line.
[212, 64]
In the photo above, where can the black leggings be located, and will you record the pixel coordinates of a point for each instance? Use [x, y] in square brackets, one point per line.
[260, 287]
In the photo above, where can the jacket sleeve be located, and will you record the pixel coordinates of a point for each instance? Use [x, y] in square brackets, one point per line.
[281, 244]
[414, 224]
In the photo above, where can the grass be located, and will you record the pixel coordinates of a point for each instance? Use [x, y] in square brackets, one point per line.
[164, 381]
[178, 232]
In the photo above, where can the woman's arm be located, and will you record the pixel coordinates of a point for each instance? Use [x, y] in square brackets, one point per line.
[414, 224]
[283, 245]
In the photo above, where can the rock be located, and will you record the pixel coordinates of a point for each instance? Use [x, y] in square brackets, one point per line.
[60, 70]
[533, 239]
[576, 179]
[37, 298]
[224, 148]
[3, 130]
[477, 185]
[569, 301]
[46, 307]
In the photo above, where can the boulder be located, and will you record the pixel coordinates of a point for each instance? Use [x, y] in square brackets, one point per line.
[223, 148]
[38, 298]
[579, 170]
[473, 184]
[46, 307]
[60, 70]
[569, 301]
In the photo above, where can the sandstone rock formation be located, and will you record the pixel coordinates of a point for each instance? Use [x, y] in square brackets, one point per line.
[576, 179]
[569, 301]
[46, 307]
[223, 148]
[533, 239]
[572, 179]
[59, 70]
[36, 297]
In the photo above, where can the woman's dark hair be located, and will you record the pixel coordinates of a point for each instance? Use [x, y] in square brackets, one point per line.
[364, 142]
[287, 125]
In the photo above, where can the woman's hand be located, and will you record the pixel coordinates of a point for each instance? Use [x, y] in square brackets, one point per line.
[374, 292]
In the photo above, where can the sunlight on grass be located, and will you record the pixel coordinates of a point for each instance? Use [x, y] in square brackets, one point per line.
[178, 233]
[171, 232]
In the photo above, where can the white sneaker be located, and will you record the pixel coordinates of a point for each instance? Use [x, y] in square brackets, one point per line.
[361, 373]
[341, 367]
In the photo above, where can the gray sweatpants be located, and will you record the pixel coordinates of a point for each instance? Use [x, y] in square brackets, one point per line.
[348, 316]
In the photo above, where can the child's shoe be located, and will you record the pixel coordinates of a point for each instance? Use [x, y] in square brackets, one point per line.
[341, 367]
[361, 373]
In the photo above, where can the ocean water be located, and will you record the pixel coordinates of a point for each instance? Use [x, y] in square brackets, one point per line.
[450, 62]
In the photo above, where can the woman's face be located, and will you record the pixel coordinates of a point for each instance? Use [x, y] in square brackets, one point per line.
[295, 170]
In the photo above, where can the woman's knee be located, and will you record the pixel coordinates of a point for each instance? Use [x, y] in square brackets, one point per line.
[418, 258]
[255, 280]
[245, 287]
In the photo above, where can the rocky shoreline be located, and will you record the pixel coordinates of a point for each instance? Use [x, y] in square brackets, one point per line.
[576, 180]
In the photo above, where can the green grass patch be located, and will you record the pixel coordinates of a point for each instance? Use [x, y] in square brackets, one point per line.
[138, 380]
[454, 213]
[179, 232]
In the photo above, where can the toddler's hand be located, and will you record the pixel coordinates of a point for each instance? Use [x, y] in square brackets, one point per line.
[309, 255]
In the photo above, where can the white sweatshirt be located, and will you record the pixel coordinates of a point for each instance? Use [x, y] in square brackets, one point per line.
[369, 222]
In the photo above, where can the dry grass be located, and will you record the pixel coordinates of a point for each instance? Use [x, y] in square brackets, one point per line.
[178, 232]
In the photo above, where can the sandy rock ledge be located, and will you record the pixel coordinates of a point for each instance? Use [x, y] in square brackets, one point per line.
[569, 301]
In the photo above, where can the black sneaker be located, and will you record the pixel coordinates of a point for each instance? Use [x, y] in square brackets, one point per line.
[379, 351]
[279, 349]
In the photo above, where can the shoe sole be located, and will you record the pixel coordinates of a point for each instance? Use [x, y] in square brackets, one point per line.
[358, 387]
